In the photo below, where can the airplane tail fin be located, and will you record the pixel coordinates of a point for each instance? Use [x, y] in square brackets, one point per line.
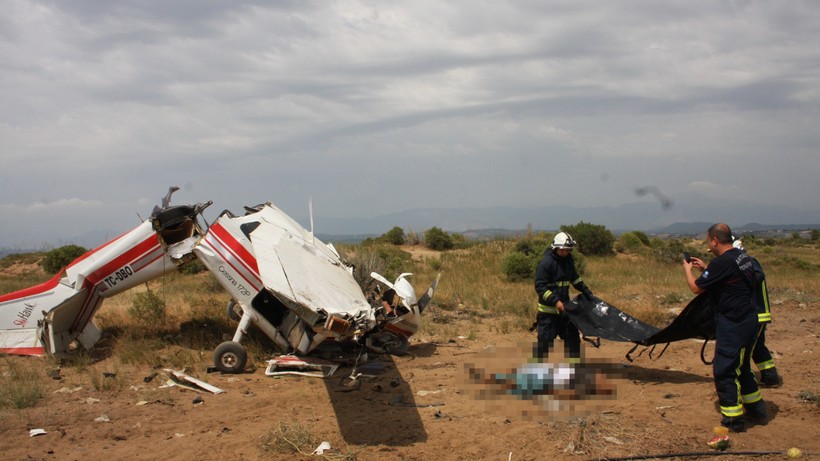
[428, 295]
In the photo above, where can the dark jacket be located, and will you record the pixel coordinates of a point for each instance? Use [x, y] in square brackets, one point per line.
[761, 294]
[553, 277]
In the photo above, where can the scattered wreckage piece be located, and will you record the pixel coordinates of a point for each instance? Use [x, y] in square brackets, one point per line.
[304, 366]
[178, 378]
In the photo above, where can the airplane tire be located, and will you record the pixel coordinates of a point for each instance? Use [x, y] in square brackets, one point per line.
[230, 357]
[385, 342]
[232, 314]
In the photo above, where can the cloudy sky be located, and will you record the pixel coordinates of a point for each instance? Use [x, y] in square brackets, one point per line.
[371, 107]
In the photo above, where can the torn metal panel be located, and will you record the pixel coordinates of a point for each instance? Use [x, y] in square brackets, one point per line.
[301, 268]
[180, 379]
[304, 366]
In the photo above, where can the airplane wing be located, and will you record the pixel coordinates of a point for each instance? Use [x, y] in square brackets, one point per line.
[296, 266]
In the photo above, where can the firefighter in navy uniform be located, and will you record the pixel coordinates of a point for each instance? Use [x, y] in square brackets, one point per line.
[553, 277]
[729, 279]
[761, 356]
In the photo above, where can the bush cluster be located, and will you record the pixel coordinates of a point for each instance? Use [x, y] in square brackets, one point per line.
[55, 260]
[519, 264]
[148, 309]
[395, 236]
[593, 239]
[437, 239]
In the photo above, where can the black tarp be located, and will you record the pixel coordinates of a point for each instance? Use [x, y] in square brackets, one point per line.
[595, 317]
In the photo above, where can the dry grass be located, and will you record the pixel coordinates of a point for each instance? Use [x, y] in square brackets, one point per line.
[472, 290]
[21, 384]
[294, 439]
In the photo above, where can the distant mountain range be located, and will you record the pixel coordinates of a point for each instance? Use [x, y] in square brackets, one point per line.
[649, 217]
[690, 217]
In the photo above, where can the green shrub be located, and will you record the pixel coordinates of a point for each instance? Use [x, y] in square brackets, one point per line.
[435, 263]
[533, 246]
[671, 250]
[192, 267]
[629, 242]
[58, 258]
[593, 239]
[394, 236]
[437, 239]
[517, 266]
[580, 262]
[642, 237]
[459, 240]
[148, 309]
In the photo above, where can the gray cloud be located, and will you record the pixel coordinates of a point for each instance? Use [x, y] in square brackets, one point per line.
[378, 107]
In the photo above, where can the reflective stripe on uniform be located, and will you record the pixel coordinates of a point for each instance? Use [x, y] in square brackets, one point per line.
[766, 315]
[547, 309]
[577, 281]
[733, 411]
[546, 295]
[765, 365]
[751, 398]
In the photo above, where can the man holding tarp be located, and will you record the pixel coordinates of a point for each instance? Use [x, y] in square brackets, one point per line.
[554, 275]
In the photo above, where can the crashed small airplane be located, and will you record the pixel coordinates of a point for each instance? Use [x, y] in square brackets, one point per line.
[281, 278]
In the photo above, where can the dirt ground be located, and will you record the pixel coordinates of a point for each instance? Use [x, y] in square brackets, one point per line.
[419, 408]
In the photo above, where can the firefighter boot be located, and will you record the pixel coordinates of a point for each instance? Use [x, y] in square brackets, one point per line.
[770, 378]
[757, 412]
[736, 424]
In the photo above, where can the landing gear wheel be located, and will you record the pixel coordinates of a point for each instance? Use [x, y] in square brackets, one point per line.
[232, 314]
[230, 357]
[385, 342]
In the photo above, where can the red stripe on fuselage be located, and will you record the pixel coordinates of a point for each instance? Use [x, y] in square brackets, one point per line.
[235, 246]
[31, 291]
[95, 278]
[239, 253]
[45, 286]
[140, 249]
[22, 350]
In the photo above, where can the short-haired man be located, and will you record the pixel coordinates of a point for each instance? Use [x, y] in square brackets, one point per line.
[729, 279]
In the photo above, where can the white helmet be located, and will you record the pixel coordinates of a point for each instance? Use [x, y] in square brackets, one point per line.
[563, 240]
[737, 243]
